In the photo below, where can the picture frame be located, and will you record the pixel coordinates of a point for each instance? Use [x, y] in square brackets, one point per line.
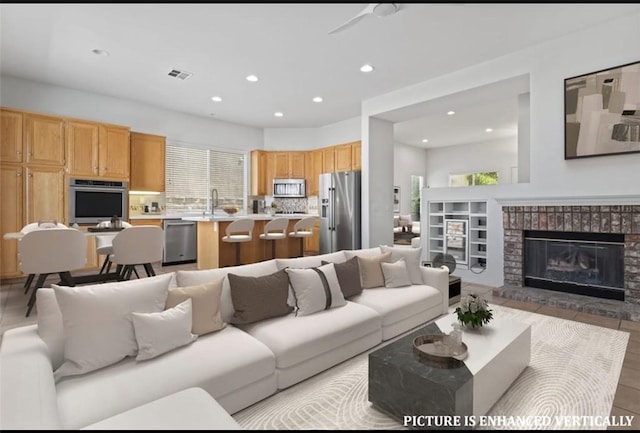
[602, 112]
[396, 199]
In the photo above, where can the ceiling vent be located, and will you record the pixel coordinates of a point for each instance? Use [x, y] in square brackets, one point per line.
[183, 75]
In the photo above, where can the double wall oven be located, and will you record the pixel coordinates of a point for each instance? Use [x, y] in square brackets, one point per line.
[92, 201]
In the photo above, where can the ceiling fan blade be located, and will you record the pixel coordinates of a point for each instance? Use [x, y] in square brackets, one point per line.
[368, 10]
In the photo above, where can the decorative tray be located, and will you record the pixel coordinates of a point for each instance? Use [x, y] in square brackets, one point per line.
[432, 347]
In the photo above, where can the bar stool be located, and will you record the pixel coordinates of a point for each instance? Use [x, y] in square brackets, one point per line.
[40, 225]
[240, 230]
[137, 245]
[274, 230]
[303, 229]
[52, 251]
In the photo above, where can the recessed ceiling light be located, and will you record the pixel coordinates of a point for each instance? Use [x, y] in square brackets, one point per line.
[425, 140]
[99, 52]
[252, 78]
[317, 99]
[366, 68]
[278, 114]
[451, 113]
[489, 130]
[216, 99]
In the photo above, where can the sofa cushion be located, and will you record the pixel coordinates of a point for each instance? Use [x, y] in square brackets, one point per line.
[296, 339]
[411, 256]
[399, 303]
[316, 289]
[371, 271]
[395, 274]
[161, 332]
[97, 320]
[259, 298]
[311, 261]
[349, 277]
[219, 362]
[206, 305]
[50, 327]
[193, 278]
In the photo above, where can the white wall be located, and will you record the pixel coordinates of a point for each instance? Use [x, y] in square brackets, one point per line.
[176, 126]
[407, 161]
[344, 131]
[599, 47]
[495, 155]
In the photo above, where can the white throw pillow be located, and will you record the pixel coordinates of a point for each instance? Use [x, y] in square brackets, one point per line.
[50, 327]
[316, 289]
[395, 274]
[97, 320]
[411, 257]
[158, 333]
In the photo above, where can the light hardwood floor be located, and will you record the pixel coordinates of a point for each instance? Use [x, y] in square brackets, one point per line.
[627, 398]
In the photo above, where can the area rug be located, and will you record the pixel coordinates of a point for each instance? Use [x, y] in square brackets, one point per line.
[574, 371]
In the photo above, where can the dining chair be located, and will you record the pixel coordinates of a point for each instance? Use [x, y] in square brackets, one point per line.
[40, 225]
[137, 245]
[104, 245]
[52, 251]
[303, 229]
[274, 230]
[240, 230]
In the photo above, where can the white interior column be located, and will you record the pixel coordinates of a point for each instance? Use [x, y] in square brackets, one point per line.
[377, 182]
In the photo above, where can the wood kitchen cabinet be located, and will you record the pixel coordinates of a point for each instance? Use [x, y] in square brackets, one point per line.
[44, 139]
[146, 222]
[147, 162]
[356, 155]
[11, 136]
[288, 165]
[312, 243]
[314, 166]
[270, 171]
[11, 217]
[343, 157]
[97, 150]
[259, 185]
[328, 160]
[45, 194]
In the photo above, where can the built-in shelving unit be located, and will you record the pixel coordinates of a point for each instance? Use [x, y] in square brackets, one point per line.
[458, 228]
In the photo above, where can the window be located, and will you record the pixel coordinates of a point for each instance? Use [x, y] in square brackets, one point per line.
[471, 179]
[192, 173]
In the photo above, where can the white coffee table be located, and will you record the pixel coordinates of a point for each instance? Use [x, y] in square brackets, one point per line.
[401, 384]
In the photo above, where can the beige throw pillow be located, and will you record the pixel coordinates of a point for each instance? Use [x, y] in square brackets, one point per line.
[206, 305]
[411, 257]
[395, 274]
[370, 270]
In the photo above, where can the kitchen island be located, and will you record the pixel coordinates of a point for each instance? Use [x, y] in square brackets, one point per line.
[214, 253]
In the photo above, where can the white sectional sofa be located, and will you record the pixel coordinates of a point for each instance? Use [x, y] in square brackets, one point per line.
[238, 365]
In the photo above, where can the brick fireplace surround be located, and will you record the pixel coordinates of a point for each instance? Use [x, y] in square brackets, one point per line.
[623, 219]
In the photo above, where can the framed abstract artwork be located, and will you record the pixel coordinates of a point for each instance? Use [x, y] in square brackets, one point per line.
[602, 112]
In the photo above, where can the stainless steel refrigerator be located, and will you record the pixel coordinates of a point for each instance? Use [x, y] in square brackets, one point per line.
[339, 196]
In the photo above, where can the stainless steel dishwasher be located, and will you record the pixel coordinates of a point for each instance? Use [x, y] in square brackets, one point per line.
[180, 242]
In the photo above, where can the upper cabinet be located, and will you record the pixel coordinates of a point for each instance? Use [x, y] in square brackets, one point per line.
[288, 165]
[147, 162]
[356, 156]
[259, 184]
[328, 159]
[114, 152]
[11, 136]
[97, 150]
[343, 157]
[44, 139]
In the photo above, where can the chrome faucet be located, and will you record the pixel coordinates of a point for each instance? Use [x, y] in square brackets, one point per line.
[214, 200]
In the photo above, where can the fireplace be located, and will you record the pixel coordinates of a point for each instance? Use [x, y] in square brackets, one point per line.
[570, 255]
[589, 264]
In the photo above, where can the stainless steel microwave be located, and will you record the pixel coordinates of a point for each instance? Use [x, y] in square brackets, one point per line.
[92, 201]
[289, 188]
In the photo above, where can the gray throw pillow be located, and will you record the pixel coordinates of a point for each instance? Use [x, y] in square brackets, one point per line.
[258, 298]
[348, 276]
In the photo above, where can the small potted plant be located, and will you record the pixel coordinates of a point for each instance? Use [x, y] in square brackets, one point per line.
[274, 206]
[473, 311]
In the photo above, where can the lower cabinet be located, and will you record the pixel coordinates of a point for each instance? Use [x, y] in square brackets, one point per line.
[312, 243]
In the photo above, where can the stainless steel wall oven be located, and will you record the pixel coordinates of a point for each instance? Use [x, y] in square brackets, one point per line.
[92, 201]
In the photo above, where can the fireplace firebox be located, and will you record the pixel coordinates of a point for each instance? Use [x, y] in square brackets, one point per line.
[573, 262]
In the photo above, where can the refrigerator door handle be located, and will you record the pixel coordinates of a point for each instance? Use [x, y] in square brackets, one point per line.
[332, 205]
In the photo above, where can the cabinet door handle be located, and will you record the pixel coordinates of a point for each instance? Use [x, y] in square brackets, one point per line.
[18, 174]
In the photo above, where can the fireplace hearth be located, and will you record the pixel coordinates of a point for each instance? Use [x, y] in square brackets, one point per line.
[589, 264]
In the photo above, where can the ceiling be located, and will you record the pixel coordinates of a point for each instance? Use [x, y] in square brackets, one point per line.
[287, 46]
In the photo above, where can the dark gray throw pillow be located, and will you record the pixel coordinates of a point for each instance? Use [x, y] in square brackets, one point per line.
[348, 276]
[258, 298]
